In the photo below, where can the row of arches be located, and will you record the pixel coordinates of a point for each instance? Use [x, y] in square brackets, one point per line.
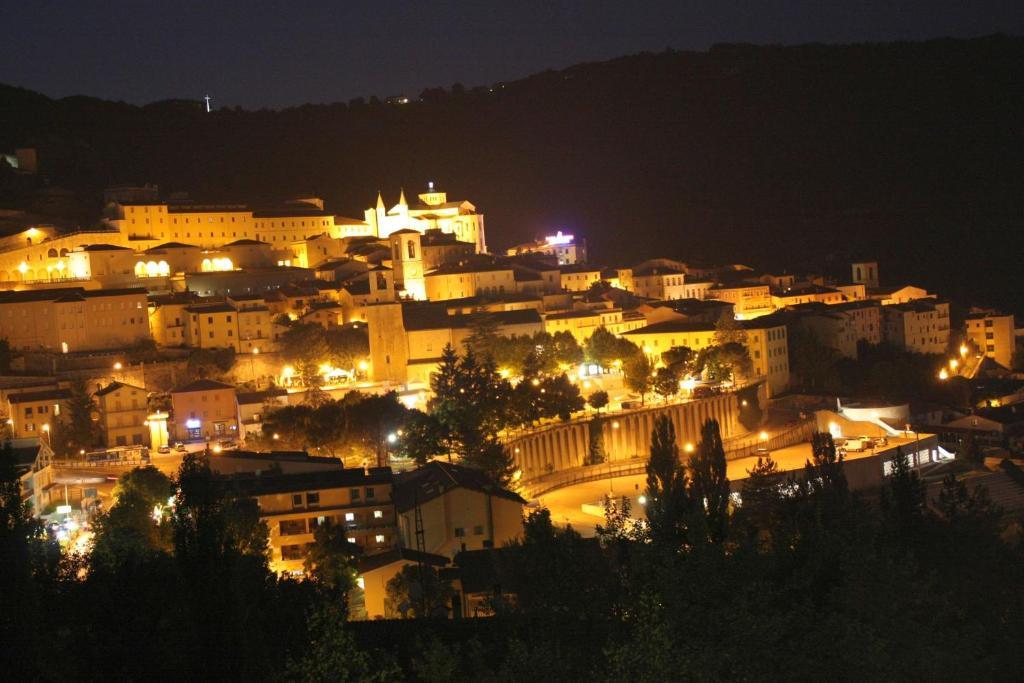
[152, 269]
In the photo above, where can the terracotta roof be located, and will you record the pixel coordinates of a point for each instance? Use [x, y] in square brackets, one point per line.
[202, 385]
[436, 478]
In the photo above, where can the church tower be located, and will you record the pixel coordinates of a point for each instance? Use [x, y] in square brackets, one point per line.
[407, 262]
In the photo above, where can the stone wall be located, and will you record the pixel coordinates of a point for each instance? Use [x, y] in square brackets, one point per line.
[626, 435]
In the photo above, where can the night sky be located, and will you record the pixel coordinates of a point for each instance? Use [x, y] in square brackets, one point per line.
[277, 54]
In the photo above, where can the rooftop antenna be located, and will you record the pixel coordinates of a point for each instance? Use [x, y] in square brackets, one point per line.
[207, 98]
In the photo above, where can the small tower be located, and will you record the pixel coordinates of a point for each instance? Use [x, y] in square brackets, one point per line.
[407, 262]
[865, 273]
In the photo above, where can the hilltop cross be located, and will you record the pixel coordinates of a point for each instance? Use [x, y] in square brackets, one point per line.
[207, 98]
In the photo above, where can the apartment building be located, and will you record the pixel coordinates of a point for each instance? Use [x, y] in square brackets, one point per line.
[123, 410]
[73, 319]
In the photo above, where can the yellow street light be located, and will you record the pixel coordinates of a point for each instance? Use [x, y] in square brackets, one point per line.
[943, 374]
[615, 424]
[255, 350]
[276, 436]
[117, 365]
[963, 350]
[688, 447]
[763, 436]
[46, 427]
[953, 363]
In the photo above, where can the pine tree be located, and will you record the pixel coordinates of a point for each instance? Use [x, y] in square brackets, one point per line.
[80, 431]
[762, 497]
[446, 401]
[709, 483]
[595, 449]
[904, 500]
[667, 501]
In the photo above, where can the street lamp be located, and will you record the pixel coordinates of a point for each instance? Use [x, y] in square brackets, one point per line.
[117, 365]
[252, 364]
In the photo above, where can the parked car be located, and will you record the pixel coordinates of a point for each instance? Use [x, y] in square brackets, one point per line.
[165, 449]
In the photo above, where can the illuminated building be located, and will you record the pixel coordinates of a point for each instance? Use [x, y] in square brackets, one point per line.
[123, 412]
[433, 212]
[294, 505]
[204, 409]
[468, 279]
[921, 325]
[407, 339]
[460, 508]
[993, 333]
[766, 342]
[32, 412]
[73, 319]
[561, 246]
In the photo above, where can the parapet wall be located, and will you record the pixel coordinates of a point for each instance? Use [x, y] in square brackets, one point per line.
[626, 435]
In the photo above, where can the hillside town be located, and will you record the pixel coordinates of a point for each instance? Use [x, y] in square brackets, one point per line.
[242, 333]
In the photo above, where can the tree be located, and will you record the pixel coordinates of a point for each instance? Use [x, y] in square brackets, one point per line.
[423, 438]
[637, 375]
[729, 331]
[666, 382]
[28, 556]
[667, 500]
[813, 362]
[492, 459]
[709, 483]
[595, 447]
[824, 477]
[558, 397]
[79, 430]
[137, 525]
[347, 345]
[5, 356]
[418, 591]
[445, 405]
[483, 333]
[598, 400]
[722, 363]
[210, 363]
[332, 654]
[761, 498]
[332, 561]
[304, 345]
[957, 504]
[680, 359]
[606, 350]
[903, 501]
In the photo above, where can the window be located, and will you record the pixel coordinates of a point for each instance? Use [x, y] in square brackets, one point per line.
[350, 516]
[379, 538]
[292, 552]
[290, 527]
[297, 500]
[352, 540]
[459, 532]
[369, 493]
[478, 530]
[378, 514]
[354, 493]
[312, 499]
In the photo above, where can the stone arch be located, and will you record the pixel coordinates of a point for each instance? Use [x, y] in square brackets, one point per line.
[52, 253]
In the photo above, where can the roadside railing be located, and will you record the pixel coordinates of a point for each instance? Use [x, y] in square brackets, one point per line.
[741, 447]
